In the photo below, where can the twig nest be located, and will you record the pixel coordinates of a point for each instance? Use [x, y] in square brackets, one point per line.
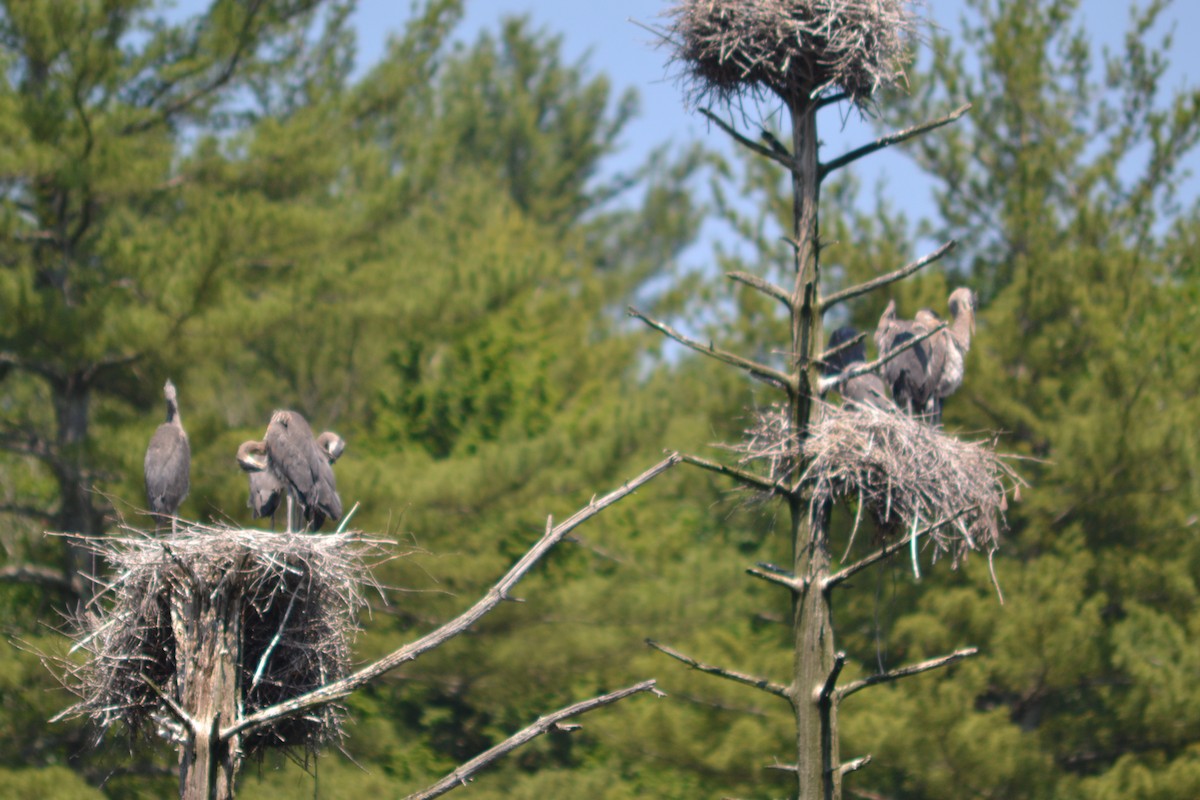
[910, 475]
[907, 474]
[296, 595]
[794, 48]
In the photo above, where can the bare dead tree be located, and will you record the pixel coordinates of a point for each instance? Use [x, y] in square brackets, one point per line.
[809, 54]
[230, 641]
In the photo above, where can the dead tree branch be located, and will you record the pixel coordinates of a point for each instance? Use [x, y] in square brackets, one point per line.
[745, 476]
[846, 345]
[496, 595]
[904, 672]
[780, 578]
[764, 286]
[883, 552]
[766, 152]
[751, 366]
[884, 280]
[460, 775]
[889, 140]
[855, 765]
[777, 689]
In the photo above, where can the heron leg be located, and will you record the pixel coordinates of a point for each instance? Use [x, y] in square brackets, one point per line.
[289, 513]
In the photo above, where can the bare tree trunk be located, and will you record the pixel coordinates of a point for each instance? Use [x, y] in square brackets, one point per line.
[207, 622]
[813, 661]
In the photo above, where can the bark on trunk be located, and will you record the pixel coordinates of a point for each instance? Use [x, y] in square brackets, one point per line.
[206, 618]
[816, 720]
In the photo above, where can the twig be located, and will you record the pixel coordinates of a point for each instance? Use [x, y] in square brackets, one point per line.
[904, 672]
[846, 572]
[751, 366]
[780, 578]
[764, 286]
[855, 765]
[181, 716]
[745, 476]
[846, 345]
[833, 381]
[764, 684]
[766, 152]
[262, 662]
[889, 140]
[883, 280]
[339, 689]
[462, 773]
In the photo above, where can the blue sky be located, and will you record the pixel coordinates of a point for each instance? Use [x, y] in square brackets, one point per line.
[626, 53]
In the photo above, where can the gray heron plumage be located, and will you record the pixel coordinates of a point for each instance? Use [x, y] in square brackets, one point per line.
[266, 489]
[167, 467]
[908, 373]
[948, 348]
[303, 467]
[868, 389]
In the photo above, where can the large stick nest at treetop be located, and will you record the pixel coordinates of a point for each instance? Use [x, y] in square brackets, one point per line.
[906, 473]
[795, 48]
[300, 597]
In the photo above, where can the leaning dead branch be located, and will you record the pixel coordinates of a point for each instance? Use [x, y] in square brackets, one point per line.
[904, 672]
[337, 689]
[892, 139]
[888, 278]
[753, 367]
[768, 686]
[462, 774]
[793, 48]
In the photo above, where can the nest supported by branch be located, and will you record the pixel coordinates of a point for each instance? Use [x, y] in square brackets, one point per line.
[906, 473]
[298, 594]
[794, 48]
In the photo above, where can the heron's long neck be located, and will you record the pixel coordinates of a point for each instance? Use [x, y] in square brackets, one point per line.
[173, 414]
[960, 330]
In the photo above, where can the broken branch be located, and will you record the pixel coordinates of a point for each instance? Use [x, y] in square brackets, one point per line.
[777, 689]
[889, 140]
[742, 475]
[762, 285]
[883, 280]
[750, 144]
[882, 553]
[904, 672]
[461, 774]
[753, 367]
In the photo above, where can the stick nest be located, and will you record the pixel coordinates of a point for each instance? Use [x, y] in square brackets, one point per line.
[795, 48]
[906, 473]
[299, 595]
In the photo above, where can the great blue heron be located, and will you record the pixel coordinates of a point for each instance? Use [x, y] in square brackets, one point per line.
[266, 489]
[168, 464]
[866, 389]
[908, 372]
[265, 486]
[948, 348]
[303, 466]
[332, 444]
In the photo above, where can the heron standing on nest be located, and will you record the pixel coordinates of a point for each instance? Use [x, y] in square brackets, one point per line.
[167, 468]
[948, 348]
